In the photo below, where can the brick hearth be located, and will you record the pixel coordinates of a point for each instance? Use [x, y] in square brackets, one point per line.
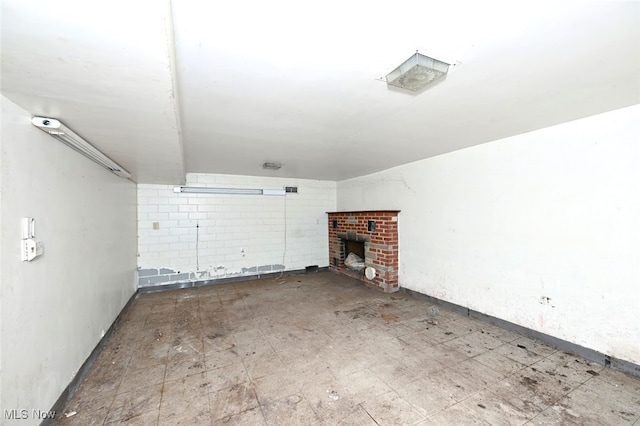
[378, 230]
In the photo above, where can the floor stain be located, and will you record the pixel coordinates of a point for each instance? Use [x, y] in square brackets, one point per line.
[529, 382]
[326, 334]
[359, 312]
[389, 317]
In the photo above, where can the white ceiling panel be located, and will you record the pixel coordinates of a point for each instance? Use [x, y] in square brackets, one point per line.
[298, 82]
[103, 69]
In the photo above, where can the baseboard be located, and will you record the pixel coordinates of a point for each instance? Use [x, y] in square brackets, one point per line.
[563, 345]
[72, 387]
[202, 283]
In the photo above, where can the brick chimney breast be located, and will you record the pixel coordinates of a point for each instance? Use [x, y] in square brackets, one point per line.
[379, 244]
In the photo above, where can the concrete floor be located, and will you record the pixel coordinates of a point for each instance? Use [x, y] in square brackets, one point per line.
[323, 349]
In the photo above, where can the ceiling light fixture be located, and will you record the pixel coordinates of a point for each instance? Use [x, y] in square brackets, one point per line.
[417, 72]
[271, 165]
[227, 191]
[68, 137]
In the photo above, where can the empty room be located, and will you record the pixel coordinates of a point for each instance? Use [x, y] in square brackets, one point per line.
[320, 213]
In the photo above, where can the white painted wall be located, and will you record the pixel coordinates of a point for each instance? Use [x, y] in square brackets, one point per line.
[55, 308]
[237, 234]
[548, 214]
[1, 258]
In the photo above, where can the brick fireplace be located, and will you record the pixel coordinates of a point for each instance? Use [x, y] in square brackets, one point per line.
[373, 233]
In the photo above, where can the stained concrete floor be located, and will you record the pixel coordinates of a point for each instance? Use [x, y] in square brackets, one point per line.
[323, 349]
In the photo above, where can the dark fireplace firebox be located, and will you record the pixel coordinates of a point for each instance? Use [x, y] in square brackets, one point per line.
[355, 247]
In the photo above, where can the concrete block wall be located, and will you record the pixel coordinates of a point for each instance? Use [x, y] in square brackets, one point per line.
[195, 237]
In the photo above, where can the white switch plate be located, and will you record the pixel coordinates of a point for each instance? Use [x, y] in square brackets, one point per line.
[28, 228]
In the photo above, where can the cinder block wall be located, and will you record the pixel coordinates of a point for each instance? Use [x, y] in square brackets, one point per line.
[194, 237]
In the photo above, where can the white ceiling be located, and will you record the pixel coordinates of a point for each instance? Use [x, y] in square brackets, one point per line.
[166, 88]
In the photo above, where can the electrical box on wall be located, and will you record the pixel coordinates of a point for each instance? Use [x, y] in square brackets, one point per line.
[30, 247]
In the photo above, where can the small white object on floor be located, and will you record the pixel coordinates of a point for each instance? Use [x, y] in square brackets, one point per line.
[333, 395]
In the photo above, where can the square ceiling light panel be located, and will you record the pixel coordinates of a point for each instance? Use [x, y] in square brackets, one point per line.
[417, 72]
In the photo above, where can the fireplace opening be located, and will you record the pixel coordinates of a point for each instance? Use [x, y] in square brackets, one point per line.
[355, 247]
[353, 255]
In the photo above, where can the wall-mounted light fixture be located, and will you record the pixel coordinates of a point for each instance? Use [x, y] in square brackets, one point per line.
[226, 191]
[68, 137]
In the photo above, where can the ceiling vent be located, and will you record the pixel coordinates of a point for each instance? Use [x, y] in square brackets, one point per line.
[271, 165]
[417, 72]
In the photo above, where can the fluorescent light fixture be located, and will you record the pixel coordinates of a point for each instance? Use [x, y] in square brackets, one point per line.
[417, 72]
[226, 191]
[65, 135]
